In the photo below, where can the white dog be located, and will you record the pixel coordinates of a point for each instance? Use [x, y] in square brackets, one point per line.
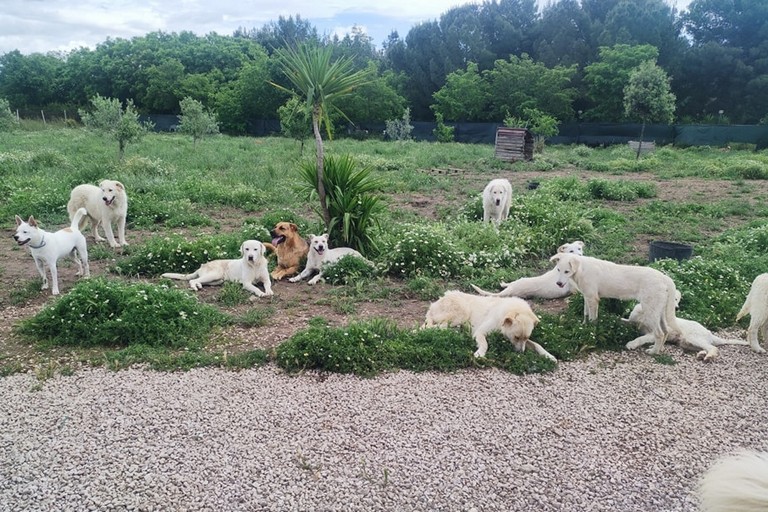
[105, 204]
[510, 315]
[543, 286]
[596, 278]
[47, 248]
[691, 336]
[736, 483]
[756, 305]
[497, 197]
[249, 269]
[319, 255]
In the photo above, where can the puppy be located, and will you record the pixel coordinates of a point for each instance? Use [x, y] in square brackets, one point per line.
[319, 255]
[596, 278]
[512, 316]
[691, 336]
[543, 286]
[497, 197]
[736, 483]
[290, 248]
[106, 204]
[47, 248]
[250, 268]
[756, 305]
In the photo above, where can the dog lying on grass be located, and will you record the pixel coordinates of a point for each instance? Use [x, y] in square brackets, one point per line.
[249, 269]
[510, 315]
[691, 336]
[319, 255]
[543, 286]
[756, 306]
[597, 279]
[291, 249]
[48, 248]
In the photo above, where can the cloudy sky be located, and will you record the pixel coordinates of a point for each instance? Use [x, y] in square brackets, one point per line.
[61, 25]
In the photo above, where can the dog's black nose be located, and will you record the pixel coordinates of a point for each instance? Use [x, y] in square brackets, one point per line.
[498, 202]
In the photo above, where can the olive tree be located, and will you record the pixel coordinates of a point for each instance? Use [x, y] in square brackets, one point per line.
[647, 96]
[109, 118]
[7, 119]
[194, 120]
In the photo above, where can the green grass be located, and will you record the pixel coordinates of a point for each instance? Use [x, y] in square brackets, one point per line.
[199, 204]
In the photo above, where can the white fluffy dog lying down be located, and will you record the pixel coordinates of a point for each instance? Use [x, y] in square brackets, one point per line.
[510, 315]
[691, 335]
[736, 483]
[596, 278]
[543, 286]
[756, 305]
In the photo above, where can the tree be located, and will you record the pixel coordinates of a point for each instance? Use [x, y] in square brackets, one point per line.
[464, 97]
[322, 83]
[607, 78]
[109, 118]
[295, 121]
[195, 120]
[7, 119]
[648, 97]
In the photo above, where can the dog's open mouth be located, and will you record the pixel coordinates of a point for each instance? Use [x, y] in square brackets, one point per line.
[320, 250]
[23, 242]
[278, 240]
[108, 202]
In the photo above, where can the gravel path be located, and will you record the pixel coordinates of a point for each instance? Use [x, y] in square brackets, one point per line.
[613, 432]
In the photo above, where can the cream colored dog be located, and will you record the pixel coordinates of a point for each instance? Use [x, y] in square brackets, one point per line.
[510, 315]
[48, 248]
[106, 204]
[497, 197]
[249, 269]
[543, 286]
[756, 305]
[736, 483]
[596, 278]
[319, 255]
[691, 336]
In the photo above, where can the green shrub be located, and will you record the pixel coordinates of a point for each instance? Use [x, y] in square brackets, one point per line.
[566, 189]
[347, 270]
[422, 250]
[101, 312]
[148, 210]
[747, 170]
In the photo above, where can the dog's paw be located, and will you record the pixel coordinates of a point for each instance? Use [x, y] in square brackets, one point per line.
[479, 354]
[652, 351]
[295, 279]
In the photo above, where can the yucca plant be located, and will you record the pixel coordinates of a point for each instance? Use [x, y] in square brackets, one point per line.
[353, 204]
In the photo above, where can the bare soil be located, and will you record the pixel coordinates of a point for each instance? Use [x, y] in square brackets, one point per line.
[295, 304]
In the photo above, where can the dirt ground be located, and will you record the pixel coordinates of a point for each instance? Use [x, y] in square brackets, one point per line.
[293, 305]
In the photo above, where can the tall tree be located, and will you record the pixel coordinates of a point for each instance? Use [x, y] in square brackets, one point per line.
[321, 82]
[647, 96]
[607, 78]
[464, 97]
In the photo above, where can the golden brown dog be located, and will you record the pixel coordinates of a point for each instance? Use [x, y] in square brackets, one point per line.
[291, 249]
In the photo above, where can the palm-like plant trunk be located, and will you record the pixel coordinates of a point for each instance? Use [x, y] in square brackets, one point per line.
[320, 160]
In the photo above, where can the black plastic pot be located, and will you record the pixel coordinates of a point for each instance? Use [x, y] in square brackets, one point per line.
[672, 250]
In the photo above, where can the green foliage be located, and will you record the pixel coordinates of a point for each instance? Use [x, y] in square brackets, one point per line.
[195, 120]
[109, 118]
[347, 270]
[102, 312]
[295, 120]
[648, 95]
[464, 97]
[8, 120]
[442, 132]
[417, 249]
[353, 204]
[399, 129]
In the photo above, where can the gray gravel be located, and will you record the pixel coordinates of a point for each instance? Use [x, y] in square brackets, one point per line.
[612, 432]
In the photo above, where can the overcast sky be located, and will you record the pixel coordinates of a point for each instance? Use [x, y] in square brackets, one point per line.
[62, 25]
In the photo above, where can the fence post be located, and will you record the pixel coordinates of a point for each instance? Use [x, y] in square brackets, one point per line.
[43, 115]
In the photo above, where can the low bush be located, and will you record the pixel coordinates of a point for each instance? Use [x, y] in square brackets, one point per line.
[101, 312]
[348, 270]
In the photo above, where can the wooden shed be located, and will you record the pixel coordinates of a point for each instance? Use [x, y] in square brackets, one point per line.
[513, 144]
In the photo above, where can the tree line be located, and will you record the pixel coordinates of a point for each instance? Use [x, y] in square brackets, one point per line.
[477, 62]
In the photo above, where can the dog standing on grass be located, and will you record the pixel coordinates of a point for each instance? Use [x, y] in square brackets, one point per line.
[510, 315]
[497, 198]
[105, 204]
[250, 268]
[47, 248]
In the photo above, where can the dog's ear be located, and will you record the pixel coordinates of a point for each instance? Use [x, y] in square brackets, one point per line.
[119, 185]
[242, 247]
[294, 227]
[555, 258]
[575, 265]
[579, 243]
[509, 320]
[19, 220]
[32, 221]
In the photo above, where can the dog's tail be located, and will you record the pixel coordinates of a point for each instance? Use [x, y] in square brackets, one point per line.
[481, 291]
[184, 277]
[76, 218]
[744, 309]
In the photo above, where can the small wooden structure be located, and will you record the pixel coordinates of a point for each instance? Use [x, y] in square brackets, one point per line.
[513, 144]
